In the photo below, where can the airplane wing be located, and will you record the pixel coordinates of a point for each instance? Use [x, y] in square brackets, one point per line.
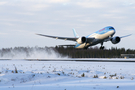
[109, 39]
[56, 37]
[126, 36]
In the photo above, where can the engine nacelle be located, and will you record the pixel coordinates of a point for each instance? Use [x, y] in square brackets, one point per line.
[115, 40]
[82, 40]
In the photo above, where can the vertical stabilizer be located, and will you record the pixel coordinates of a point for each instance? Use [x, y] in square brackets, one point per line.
[75, 34]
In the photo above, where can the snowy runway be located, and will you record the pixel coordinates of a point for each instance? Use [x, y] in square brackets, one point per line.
[87, 59]
[69, 75]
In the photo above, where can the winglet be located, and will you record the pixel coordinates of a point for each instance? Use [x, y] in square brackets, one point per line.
[75, 34]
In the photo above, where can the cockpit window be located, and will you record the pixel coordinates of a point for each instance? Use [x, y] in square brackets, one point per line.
[111, 28]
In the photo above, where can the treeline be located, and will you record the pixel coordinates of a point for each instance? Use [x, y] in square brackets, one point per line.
[71, 52]
[94, 52]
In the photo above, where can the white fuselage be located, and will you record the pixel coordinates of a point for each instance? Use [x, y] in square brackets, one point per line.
[99, 38]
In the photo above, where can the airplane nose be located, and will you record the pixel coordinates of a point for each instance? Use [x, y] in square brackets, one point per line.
[113, 29]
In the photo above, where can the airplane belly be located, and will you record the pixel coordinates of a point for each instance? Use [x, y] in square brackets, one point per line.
[96, 42]
[81, 46]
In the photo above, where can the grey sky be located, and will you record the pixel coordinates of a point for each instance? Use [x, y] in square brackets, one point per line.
[21, 19]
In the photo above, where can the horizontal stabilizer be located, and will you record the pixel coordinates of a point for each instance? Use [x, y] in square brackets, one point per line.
[67, 45]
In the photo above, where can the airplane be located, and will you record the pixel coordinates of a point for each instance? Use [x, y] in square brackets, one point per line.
[99, 37]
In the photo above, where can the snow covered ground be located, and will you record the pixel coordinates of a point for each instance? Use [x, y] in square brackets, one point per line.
[66, 75]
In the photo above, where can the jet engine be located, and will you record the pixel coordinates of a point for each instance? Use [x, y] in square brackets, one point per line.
[115, 40]
[82, 40]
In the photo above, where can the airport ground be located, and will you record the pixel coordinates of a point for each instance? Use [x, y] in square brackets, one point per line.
[66, 75]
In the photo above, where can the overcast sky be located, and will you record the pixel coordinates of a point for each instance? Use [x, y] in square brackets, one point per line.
[21, 19]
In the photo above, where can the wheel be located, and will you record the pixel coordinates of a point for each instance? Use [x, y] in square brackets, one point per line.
[102, 47]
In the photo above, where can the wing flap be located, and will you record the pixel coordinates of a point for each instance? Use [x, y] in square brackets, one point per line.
[56, 37]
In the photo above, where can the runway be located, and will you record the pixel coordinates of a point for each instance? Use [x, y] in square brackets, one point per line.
[87, 60]
[81, 59]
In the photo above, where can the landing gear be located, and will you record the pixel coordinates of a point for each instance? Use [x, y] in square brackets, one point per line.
[86, 48]
[102, 47]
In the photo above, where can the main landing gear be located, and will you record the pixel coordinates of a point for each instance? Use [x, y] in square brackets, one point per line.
[102, 47]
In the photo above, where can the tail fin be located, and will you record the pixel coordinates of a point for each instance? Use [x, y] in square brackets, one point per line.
[75, 34]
